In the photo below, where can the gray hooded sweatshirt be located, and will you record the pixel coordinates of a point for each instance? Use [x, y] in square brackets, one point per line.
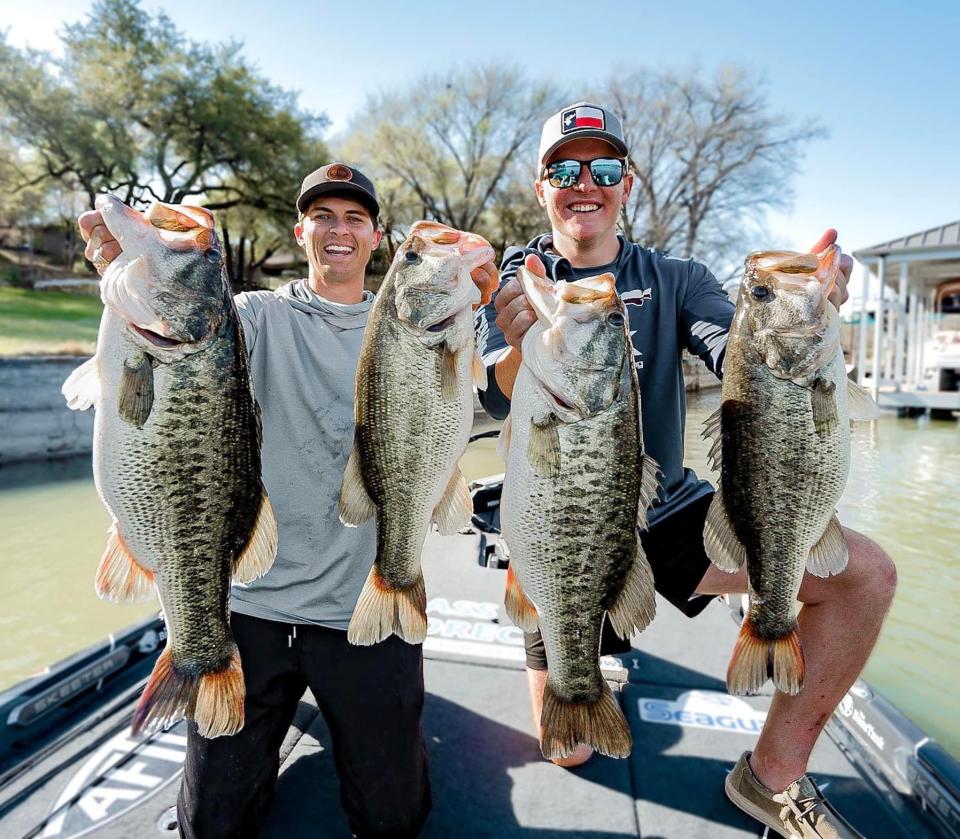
[303, 360]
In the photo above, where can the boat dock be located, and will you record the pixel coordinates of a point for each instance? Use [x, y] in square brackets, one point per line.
[918, 283]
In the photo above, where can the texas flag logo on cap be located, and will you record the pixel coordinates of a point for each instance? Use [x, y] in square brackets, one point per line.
[582, 117]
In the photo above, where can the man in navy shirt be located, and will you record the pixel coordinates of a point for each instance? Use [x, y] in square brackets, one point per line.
[676, 304]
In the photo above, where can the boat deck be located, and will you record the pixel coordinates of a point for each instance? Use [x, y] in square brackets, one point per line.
[488, 777]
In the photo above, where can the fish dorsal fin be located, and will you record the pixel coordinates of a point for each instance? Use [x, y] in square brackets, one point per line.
[82, 387]
[719, 540]
[356, 506]
[257, 557]
[455, 507]
[648, 488]
[829, 555]
[636, 604]
[860, 403]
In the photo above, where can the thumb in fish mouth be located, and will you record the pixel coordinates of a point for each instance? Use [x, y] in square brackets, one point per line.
[535, 265]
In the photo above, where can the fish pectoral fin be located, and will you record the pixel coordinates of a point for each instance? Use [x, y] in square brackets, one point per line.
[455, 507]
[82, 387]
[823, 401]
[261, 549]
[356, 505]
[648, 488]
[449, 386]
[829, 555]
[543, 449]
[503, 439]
[120, 577]
[135, 397]
[861, 404]
[479, 372]
[384, 610]
[636, 604]
[519, 607]
[719, 540]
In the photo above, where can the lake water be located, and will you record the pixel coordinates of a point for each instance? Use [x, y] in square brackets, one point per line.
[904, 492]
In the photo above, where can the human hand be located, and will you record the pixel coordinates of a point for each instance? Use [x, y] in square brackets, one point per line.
[486, 278]
[102, 248]
[515, 315]
[839, 295]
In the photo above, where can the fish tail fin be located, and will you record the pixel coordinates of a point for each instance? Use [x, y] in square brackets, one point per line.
[213, 700]
[220, 699]
[384, 610]
[120, 577]
[600, 724]
[757, 659]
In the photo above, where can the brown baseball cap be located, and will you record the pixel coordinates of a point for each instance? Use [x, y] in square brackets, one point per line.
[340, 179]
[583, 119]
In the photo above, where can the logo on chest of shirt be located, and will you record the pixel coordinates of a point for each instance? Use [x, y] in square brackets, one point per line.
[637, 297]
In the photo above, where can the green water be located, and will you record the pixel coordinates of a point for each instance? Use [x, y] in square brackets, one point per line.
[904, 492]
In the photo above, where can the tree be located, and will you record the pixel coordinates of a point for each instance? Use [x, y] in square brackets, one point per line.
[450, 148]
[710, 159]
[136, 109]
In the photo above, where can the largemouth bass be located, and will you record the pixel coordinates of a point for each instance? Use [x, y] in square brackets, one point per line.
[782, 442]
[176, 455]
[577, 487]
[414, 411]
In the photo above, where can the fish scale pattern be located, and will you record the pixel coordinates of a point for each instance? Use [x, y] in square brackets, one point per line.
[573, 538]
[777, 468]
[186, 488]
[409, 437]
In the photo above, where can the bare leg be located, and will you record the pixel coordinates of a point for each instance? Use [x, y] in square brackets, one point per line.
[537, 680]
[839, 624]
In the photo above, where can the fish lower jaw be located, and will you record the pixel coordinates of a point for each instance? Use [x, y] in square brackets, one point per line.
[156, 338]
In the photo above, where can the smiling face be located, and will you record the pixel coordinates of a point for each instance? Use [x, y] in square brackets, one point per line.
[338, 235]
[584, 215]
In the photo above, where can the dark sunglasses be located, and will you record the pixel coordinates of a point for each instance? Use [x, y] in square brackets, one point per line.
[605, 171]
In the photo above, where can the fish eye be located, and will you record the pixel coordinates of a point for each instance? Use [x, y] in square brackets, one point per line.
[760, 292]
[411, 257]
[213, 256]
[615, 319]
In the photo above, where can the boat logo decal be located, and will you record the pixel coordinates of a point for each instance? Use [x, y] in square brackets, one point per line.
[471, 628]
[849, 711]
[704, 709]
[122, 774]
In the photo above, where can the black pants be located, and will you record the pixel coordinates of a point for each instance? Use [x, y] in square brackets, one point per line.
[371, 698]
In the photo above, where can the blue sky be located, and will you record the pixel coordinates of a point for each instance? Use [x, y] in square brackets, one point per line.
[881, 76]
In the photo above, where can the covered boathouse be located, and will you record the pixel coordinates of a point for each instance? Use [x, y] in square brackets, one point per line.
[919, 286]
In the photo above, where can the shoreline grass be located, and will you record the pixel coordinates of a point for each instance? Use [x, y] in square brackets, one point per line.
[47, 322]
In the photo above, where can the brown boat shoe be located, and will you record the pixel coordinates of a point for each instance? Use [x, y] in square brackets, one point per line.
[799, 812]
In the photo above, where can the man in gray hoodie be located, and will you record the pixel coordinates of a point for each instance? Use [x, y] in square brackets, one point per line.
[303, 341]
